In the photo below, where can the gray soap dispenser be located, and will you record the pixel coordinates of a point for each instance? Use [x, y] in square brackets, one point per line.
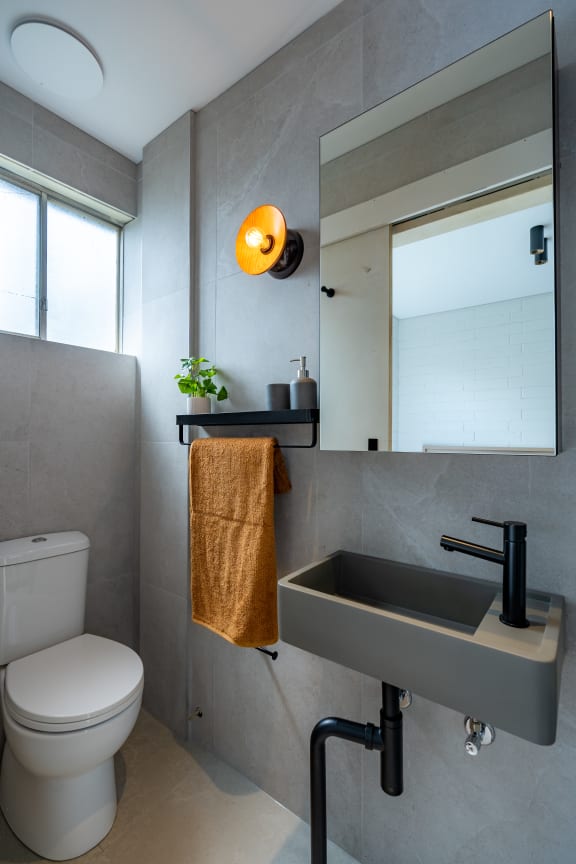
[303, 388]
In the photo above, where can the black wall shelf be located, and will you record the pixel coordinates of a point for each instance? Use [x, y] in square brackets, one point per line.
[309, 416]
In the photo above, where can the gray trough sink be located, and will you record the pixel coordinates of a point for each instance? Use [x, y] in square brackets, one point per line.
[435, 633]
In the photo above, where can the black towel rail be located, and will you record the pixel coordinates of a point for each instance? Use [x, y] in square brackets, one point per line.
[308, 416]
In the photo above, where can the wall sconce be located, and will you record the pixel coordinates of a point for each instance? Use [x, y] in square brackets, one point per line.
[542, 257]
[538, 244]
[265, 245]
[537, 240]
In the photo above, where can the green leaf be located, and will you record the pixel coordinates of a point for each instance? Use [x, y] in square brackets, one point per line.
[197, 381]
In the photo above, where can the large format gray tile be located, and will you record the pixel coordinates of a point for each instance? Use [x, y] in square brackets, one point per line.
[110, 605]
[251, 356]
[166, 209]
[206, 187]
[268, 146]
[458, 823]
[84, 143]
[63, 471]
[164, 517]
[16, 104]
[163, 623]
[89, 485]
[60, 159]
[167, 195]
[14, 489]
[16, 136]
[174, 141]
[341, 512]
[406, 42]
[296, 512]
[202, 646]
[165, 337]
[132, 287]
[303, 47]
[72, 463]
[409, 500]
[203, 339]
[281, 702]
[15, 387]
[80, 393]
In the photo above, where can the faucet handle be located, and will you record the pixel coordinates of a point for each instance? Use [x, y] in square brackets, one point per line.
[487, 522]
[513, 531]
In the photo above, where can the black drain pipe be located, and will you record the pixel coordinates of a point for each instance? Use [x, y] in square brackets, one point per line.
[391, 755]
[387, 739]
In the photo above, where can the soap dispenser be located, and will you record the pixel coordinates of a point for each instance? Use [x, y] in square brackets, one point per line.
[303, 388]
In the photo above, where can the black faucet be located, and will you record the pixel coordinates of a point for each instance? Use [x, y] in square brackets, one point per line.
[513, 561]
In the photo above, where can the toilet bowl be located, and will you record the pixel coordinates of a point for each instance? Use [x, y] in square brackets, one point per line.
[68, 699]
[66, 711]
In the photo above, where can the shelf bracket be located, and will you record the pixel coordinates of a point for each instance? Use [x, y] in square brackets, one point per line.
[308, 416]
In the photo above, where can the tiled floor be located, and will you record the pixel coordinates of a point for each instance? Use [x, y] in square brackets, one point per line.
[182, 807]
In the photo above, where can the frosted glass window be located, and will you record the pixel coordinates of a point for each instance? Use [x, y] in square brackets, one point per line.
[82, 279]
[19, 214]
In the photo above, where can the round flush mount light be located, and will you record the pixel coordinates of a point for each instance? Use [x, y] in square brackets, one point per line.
[265, 245]
[56, 59]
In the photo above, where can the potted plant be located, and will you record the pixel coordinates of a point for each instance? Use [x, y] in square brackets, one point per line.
[198, 384]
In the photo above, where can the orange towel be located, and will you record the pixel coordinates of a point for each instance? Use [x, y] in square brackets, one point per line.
[233, 553]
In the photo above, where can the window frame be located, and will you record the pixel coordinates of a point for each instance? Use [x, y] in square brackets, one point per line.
[44, 197]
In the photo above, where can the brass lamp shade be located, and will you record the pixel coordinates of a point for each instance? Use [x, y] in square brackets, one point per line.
[265, 245]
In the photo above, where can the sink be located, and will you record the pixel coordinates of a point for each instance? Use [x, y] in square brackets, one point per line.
[435, 633]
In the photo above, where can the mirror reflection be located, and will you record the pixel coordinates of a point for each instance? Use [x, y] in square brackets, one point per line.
[440, 336]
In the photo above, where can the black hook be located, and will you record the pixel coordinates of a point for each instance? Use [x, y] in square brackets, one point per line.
[272, 654]
[328, 291]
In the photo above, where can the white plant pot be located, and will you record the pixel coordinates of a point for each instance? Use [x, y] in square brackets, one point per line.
[199, 405]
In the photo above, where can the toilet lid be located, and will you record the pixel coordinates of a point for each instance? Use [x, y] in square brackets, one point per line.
[73, 685]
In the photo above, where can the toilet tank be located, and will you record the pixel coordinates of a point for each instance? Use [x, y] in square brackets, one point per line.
[42, 592]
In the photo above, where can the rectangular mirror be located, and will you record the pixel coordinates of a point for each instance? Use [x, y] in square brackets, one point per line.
[437, 238]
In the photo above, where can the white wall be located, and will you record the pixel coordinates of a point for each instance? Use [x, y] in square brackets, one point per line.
[480, 376]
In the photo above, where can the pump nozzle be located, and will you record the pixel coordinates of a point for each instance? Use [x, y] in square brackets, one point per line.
[302, 371]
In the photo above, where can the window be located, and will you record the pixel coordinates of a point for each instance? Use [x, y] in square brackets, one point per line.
[19, 216]
[59, 270]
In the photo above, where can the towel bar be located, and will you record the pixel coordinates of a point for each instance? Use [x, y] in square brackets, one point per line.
[308, 416]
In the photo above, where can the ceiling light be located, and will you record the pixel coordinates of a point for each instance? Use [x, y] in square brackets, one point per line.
[56, 59]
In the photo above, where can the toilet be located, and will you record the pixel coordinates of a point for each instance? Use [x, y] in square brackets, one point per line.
[68, 699]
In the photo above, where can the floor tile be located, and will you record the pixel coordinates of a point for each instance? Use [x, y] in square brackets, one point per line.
[184, 806]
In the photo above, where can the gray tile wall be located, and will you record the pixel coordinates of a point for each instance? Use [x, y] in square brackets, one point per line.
[68, 434]
[166, 229]
[39, 139]
[68, 462]
[257, 143]
[508, 109]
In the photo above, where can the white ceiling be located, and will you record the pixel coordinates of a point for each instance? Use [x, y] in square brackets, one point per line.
[160, 58]
[481, 263]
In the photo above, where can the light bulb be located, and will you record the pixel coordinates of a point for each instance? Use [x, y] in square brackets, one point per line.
[254, 238]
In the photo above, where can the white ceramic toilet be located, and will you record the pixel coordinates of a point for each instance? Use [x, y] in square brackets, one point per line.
[68, 699]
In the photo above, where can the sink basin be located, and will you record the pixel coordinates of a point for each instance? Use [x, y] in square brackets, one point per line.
[432, 632]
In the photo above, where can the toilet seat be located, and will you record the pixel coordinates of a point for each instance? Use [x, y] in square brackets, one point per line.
[72, 685]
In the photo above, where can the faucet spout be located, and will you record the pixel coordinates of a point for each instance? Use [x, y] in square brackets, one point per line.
[453, 544]
[513, 561]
